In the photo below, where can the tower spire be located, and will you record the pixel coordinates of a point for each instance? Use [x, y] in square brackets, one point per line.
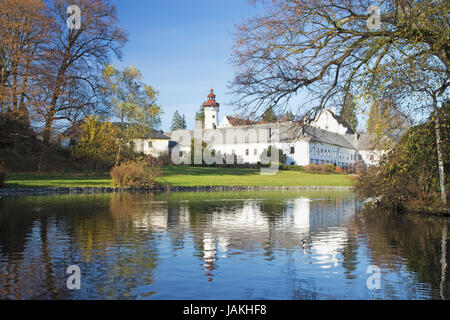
[211, 109]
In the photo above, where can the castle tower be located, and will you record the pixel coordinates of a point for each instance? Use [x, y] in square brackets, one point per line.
[211, 109]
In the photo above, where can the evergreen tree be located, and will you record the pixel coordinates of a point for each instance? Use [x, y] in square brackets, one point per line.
[348, 111]
[290, 116]
[178, 122]
[269, 116]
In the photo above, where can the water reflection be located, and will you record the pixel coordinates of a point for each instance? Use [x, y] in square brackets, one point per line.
[245, 245]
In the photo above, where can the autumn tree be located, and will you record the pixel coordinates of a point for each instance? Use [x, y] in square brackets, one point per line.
[25, 30]
[75, 58]
[132, 103]
[97, 145]
[325, 49]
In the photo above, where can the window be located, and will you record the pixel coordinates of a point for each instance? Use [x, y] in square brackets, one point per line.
[314, 150]
[233, 152]
[214, 116]
[247, 152]
[292, 150]
[371, 157]
[292, 163]
[150, 144]
[255, 152]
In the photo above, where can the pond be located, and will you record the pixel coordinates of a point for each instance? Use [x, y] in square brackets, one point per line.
[220, 245]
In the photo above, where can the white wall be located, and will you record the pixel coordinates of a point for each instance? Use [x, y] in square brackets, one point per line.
[326, 153]
[225, 123]
[326, 121]
[159, 146]
[211, 115]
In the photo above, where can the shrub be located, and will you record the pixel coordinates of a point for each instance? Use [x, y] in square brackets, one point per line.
[320, 168]
[2, 177]
[409, 172]
[292, 168]
[339, 170]
[138, 173]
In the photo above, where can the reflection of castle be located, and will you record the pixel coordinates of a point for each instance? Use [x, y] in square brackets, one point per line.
[316, 227]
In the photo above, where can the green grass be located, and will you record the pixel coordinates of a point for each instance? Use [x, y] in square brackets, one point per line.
[198, 176]
[29, 180]
[186, 176]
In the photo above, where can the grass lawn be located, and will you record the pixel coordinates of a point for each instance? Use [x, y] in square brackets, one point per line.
[197, 176]
[186, 176]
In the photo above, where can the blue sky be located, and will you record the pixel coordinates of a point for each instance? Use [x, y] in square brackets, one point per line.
[183, 48]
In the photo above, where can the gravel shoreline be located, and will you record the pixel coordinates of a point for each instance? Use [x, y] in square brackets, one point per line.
[26, 192]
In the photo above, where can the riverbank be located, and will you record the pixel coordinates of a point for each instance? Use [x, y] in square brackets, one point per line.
[26, 192]
[435, 211]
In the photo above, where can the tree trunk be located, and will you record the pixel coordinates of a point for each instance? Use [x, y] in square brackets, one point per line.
[48, 128]
[439, 153]
[118, 154]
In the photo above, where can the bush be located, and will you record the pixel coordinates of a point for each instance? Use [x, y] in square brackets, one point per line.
[408, 174]
[138, 173]
[320, 168]
[339, 170]
[292, 168]
[2, 177]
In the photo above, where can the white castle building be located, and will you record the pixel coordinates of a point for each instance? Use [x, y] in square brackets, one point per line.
[326, 139]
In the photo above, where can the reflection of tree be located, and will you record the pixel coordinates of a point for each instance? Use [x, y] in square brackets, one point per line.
[444, 262]
[45, 235]
[273, 211]
[14, 228]
[393, 239]
[350, 257]
[350, 252]
[173, 224]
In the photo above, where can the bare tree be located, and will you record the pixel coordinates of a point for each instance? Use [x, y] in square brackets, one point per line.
[76, 57]
[327, 48]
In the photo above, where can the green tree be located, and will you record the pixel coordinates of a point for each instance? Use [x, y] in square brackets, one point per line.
[348, 111]
[178, 121]
[269, 116]
[289, 116]
[133, 104]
